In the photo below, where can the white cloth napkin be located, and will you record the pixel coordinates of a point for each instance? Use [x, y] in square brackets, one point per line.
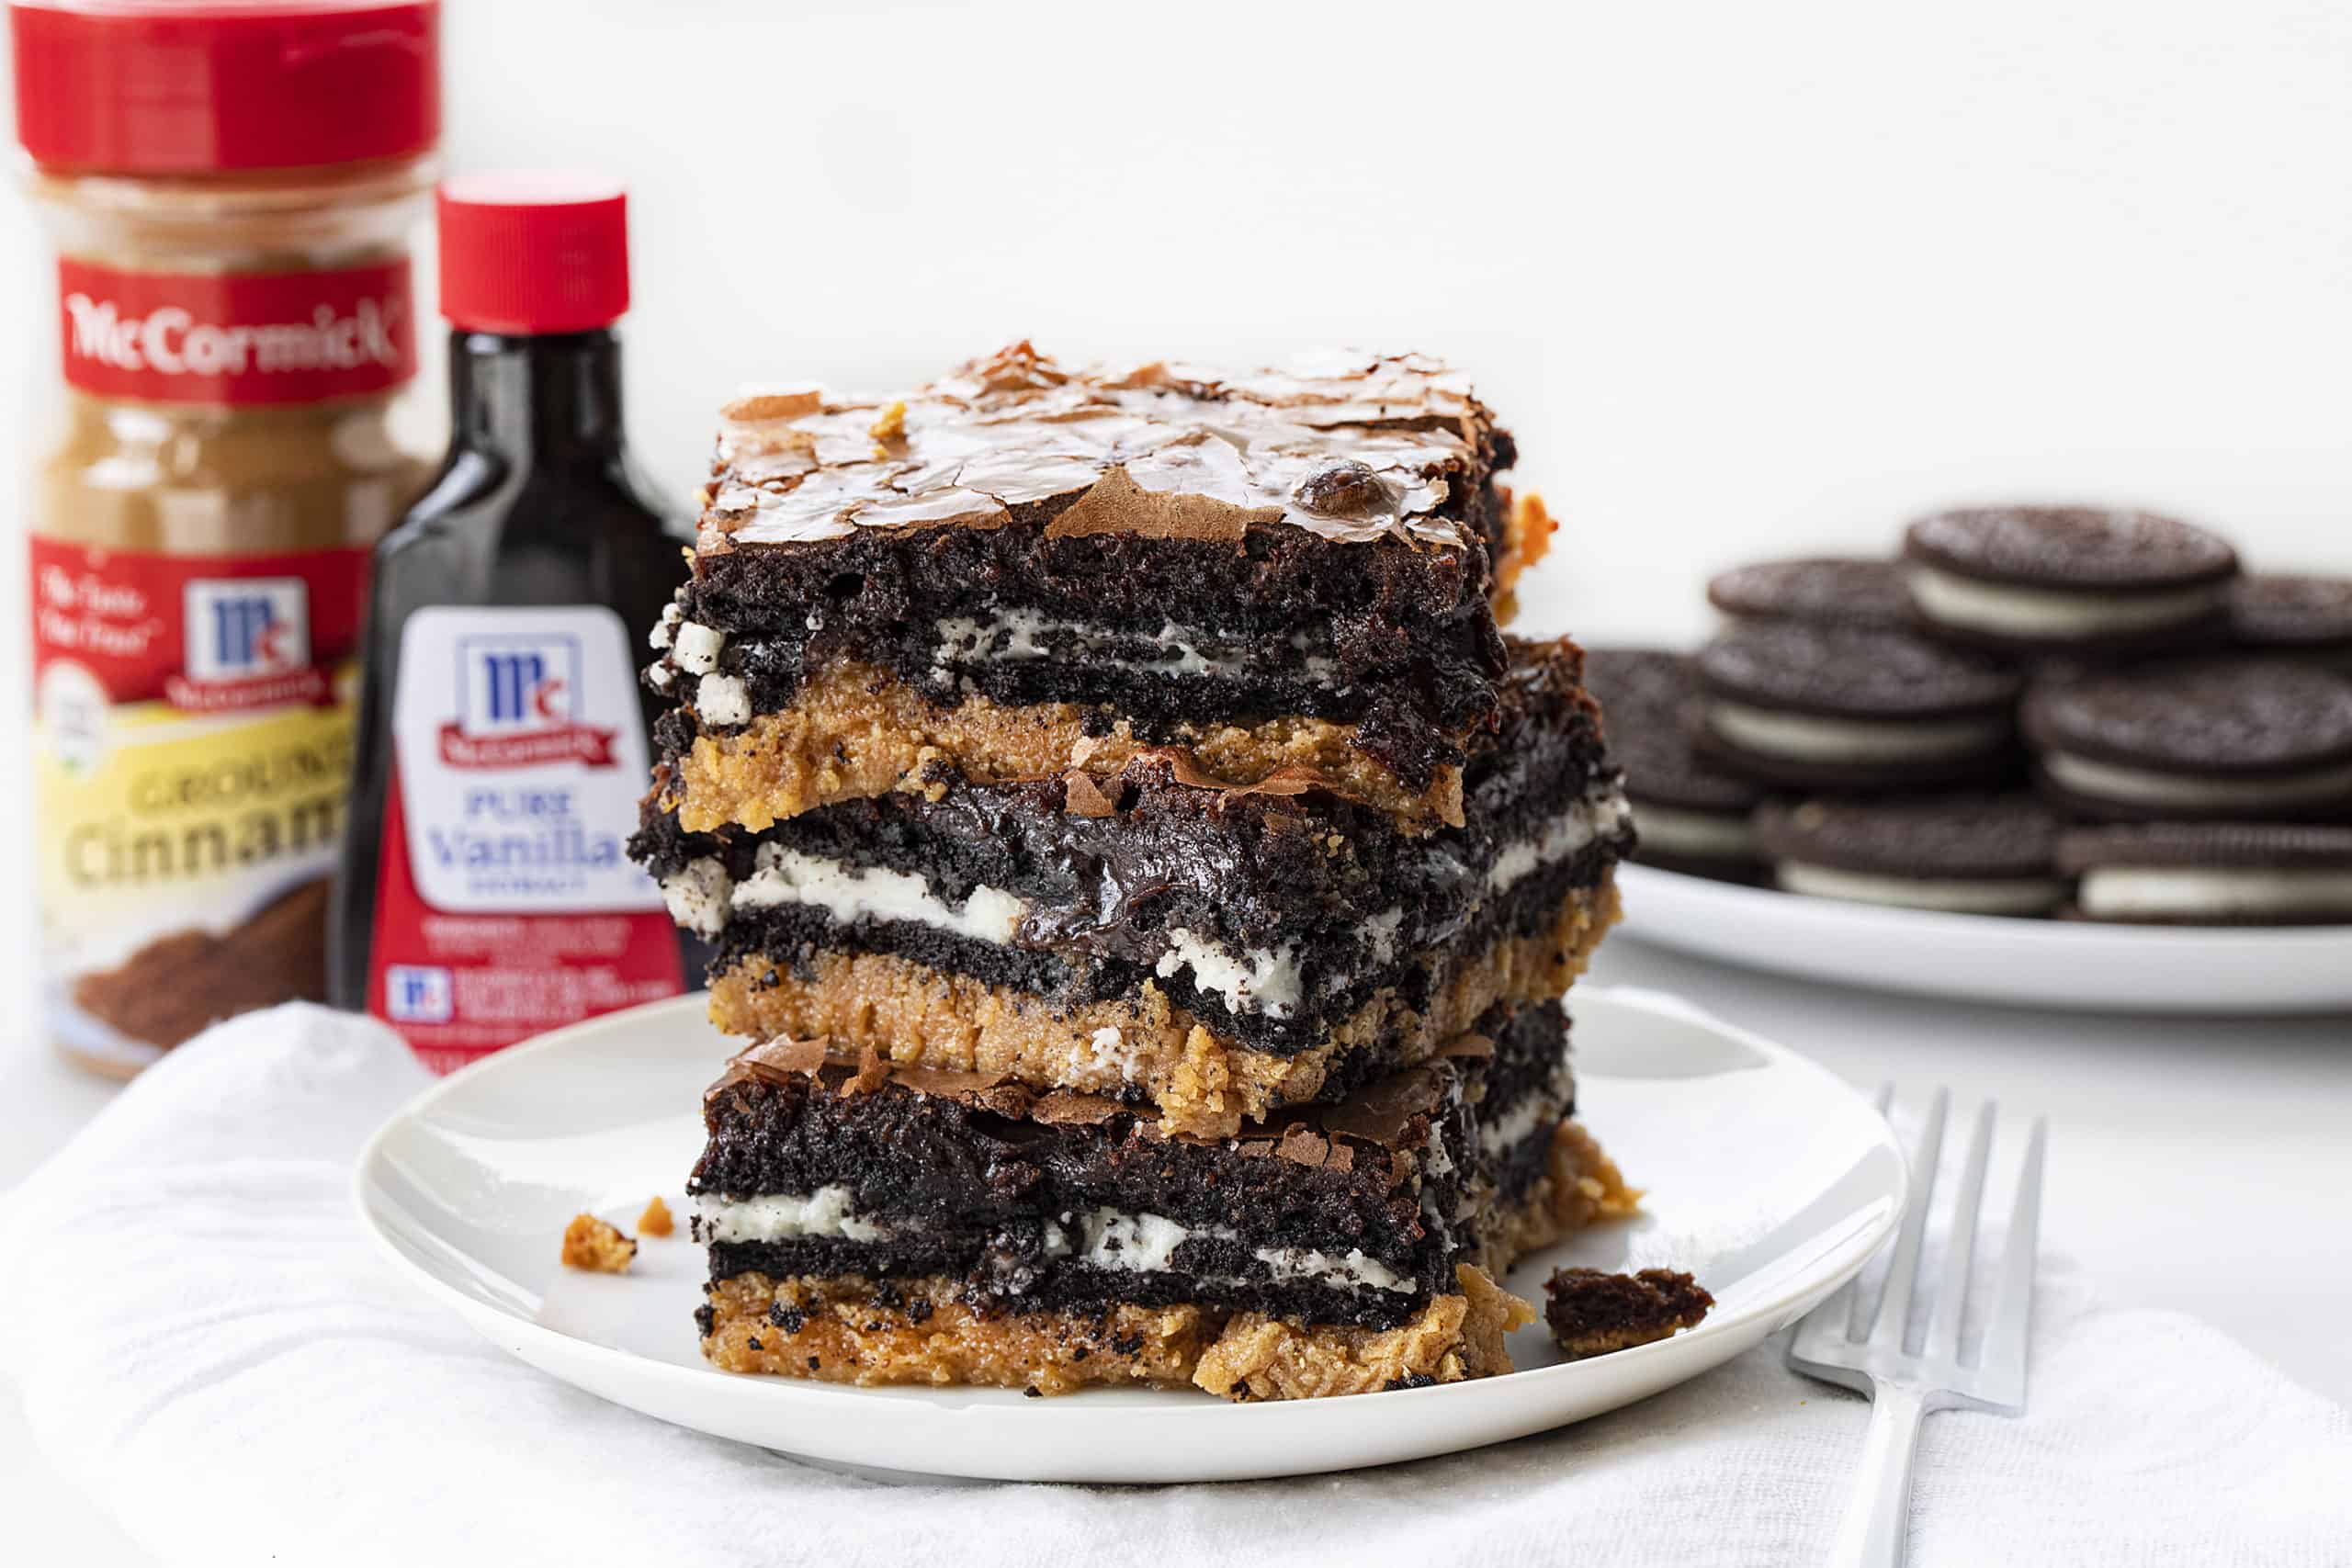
[206, 1343]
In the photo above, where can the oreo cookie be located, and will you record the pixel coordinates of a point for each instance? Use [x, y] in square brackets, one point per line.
[1978, 854]
[1835, 590]
[1853, 708]
[1687, 817]
[2300, 617]
[2228, 873]
[2068, 580]
[2242, 737]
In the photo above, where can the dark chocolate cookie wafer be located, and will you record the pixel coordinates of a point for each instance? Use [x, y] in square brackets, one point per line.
[2231, 738]
[1839, 590]
[1687, 815]
[1979, 854]
[2068, 580]
[2301, 618]
[2208, 874]
[1853, 707]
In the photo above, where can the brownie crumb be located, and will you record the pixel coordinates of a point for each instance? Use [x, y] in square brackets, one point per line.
[790, 1319]
[1593, 1311]
[590, 1244]
[812, 1363]
[1410, 1380]
[656, 1220]
[753, 1341]
[918, 1310]
[1033, 1392]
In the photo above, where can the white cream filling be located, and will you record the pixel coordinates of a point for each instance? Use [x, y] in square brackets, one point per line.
[1501, 1136]
[1969, 896]
[1602, 812]
[1107, 1238]
[665, 629]
[2143, 787]
[694, 648]
[2009, 610]
[1146, 1244]
[786, 1216]
[663, 676]
[848, 893]
[1108, 1053]
[1352, 1269]
[1025, 635]
[722, 699]
[698, 896]
[2137, 891]
[1701, 835]
[1812, 738]
[1259, 980]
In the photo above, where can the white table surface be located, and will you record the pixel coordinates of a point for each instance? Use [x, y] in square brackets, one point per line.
[2200, 1165]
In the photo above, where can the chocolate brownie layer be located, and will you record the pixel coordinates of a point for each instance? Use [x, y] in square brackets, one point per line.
[1592, 1313]
[1356, 1212]
[1162, 548]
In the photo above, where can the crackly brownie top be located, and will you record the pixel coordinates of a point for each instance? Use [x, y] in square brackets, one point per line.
[1354, 448]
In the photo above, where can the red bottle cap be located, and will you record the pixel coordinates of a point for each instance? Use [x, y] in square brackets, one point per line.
[532, 252]
[206, 87]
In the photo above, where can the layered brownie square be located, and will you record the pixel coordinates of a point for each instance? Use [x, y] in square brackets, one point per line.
[1209, 952]
[871, 1223]
[1283, 573]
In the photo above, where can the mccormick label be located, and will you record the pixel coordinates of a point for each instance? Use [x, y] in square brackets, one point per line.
[505, 902]
[191, 749]
[236, 337]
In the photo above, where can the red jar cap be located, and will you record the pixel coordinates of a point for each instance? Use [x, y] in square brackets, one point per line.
[210, 87]
[532, 252]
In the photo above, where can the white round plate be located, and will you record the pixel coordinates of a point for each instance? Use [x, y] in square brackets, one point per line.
[1765, 1176]
[1995, 958]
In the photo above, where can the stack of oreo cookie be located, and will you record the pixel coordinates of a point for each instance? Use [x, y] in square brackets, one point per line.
[1968, 726]
[1144, 877]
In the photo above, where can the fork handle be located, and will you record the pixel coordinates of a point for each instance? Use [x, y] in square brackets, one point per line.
[1876, 1529]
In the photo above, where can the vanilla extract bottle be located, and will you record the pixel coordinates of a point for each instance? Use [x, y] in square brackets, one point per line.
[484, 895]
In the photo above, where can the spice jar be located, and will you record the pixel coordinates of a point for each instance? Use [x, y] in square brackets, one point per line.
[232, 188]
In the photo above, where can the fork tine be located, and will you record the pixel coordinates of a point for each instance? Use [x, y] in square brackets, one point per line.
[1849, 1306]
[2005, 1334]
[1960, 1249]
[1894, 1301]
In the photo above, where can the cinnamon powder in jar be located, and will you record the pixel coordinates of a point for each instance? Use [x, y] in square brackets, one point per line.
[231, 187]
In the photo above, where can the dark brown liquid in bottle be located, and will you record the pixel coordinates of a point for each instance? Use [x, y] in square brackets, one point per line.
[537, 504]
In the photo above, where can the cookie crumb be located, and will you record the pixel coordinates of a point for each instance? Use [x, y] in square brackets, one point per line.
[656, 1220]
[1593, 1311]
[590, 1244]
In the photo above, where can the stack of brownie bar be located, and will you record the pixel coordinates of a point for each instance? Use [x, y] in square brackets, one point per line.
[1144, 875]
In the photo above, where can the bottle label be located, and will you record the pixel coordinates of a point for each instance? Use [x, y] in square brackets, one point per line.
[506, 904]
[219, 338]
[192, 727]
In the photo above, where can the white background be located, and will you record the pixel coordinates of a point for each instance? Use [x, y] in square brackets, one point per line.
[1745, 279]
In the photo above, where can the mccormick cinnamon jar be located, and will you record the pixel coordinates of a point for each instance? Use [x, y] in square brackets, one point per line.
[231, 187]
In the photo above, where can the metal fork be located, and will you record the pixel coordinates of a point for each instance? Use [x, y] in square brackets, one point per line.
[1862, 1344]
